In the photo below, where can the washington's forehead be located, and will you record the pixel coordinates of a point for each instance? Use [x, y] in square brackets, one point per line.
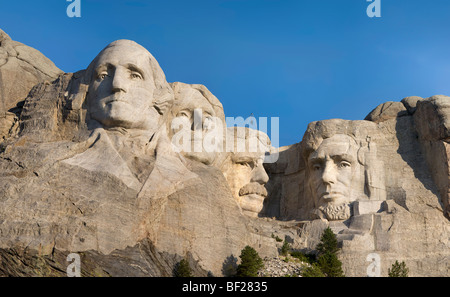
[122, 55]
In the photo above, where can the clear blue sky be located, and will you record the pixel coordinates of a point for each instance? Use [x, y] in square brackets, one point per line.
[298, 60]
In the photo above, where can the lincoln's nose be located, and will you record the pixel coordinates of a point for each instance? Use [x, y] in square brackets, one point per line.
[329, 174]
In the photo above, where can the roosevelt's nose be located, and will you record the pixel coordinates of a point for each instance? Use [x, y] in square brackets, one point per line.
[259, 175]
[119, 82]
[329, 173]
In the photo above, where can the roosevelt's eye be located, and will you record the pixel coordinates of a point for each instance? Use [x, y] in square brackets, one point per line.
[249, 164]
[344, 164]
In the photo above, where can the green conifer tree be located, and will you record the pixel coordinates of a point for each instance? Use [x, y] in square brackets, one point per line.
[328, 242]
[182, 269]
[327, 260]
[285, 248]
[330, 265]
[251, 262]
[398, 270]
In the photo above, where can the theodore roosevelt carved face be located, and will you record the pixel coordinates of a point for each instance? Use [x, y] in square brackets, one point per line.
[332, 172]
[125, 81]
[246, 174]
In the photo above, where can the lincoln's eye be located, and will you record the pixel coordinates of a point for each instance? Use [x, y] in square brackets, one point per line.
[344, 164]
[316, 167]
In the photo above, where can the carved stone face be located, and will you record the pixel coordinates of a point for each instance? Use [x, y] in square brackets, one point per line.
[332, 172]
[247, 177]
[121, 89]
[194, 124]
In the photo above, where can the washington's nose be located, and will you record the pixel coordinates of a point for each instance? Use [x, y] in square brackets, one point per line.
[329, 174]
[119, 81]
[259, 175]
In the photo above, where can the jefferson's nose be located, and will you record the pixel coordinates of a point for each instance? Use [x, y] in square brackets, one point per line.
[197, 116]
[259, 175]
[119, 83]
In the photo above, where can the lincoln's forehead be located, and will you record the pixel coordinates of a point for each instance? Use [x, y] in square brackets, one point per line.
[338, 145]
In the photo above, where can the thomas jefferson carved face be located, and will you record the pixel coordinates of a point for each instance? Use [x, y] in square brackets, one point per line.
[121, 92]
[332, 172]
[196, 125]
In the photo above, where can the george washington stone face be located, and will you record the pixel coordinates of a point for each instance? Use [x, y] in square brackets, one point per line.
[123, 87]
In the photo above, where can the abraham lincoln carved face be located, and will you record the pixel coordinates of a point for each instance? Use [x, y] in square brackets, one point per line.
[333, 169]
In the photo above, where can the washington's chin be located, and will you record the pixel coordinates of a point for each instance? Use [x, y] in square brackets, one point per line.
[115, 119]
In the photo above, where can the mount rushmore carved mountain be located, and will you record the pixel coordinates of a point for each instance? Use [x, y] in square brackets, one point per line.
[131, 172]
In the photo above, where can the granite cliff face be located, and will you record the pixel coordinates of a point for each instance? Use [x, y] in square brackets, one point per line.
[123, 168]
[398, 206]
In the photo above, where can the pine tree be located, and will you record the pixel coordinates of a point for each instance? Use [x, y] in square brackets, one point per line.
[328, 242]
[398, 270]
[285, 248]
[182, 269]
[327, 260]
[251, 262]
[330, 265]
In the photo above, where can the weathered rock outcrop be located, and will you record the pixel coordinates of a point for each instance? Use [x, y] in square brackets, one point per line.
[21, 68]
[399, 187]
[72, 184]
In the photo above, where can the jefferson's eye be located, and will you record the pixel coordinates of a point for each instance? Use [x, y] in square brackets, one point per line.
[135, 75]
[183, 114]
[102, 75]
[208, 123]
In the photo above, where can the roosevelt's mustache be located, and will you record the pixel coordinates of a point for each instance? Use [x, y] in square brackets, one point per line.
[253, 188]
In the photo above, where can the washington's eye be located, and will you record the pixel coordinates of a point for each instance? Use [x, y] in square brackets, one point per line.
[135, 75]
[344, 164]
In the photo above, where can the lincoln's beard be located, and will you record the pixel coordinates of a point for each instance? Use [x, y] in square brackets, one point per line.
[335, 212]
